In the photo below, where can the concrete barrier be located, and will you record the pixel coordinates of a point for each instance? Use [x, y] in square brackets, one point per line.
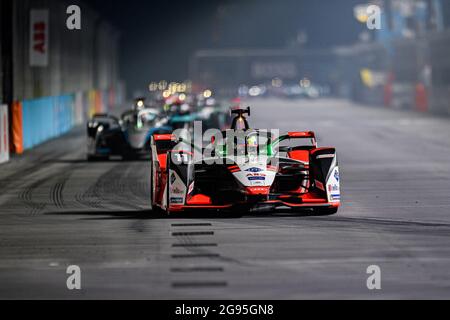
[4, 134]
[38, 120]
[46, 118]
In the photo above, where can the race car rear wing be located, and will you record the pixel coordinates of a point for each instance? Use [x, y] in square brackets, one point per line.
[104, 115]
[301, 134]
[105, 121]
[164, 137]
[240, 118]
[298, 135]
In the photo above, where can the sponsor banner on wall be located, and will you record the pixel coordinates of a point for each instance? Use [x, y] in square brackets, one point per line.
[39, 37]
[4, 134]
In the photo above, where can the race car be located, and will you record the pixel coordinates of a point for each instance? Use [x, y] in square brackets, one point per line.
[128, 136]
[248, 169]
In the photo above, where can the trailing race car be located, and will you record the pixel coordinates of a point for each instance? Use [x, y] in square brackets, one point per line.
[248, 169]
[128, 136]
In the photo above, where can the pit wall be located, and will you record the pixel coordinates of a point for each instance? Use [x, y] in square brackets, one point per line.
[36, 121]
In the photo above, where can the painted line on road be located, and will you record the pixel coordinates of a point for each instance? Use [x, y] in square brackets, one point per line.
[194, 233]
[191, 225]
[195, 255]
[197, 269]
[181, 285]
[193, 245]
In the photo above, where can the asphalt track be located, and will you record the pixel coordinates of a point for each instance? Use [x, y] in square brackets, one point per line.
[58, 210]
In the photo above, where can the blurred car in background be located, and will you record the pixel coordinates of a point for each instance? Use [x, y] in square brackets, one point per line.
[128, 136]
[212, 113]
[304, 89]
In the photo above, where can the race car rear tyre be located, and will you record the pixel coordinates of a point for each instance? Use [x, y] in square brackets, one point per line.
[151, 188]
[155, 209]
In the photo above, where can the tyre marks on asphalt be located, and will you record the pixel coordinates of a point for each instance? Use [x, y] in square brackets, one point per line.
[37, 201]
[57, 194]
[26, 197]
[40, 189]
[52, 183]
[193, 265]
[119, 187]
[28, 169]
[90, 198]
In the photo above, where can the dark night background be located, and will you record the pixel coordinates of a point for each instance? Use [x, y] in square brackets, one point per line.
[158, 37]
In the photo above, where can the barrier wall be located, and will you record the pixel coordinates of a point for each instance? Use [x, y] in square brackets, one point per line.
[46, 118]
[38, 120]
[4, 134]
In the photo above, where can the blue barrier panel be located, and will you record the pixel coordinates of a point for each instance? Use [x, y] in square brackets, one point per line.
[46, 118]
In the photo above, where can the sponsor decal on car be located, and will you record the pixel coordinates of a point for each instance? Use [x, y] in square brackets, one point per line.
[336, 196]
[333, 188]
[336, 175]
[177, 190]
[176, 200]
[172, 178]
[254, 170]
[191, 188]
[257, 178]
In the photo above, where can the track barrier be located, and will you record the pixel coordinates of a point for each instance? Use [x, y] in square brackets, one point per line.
[4, 134]
[38, 120]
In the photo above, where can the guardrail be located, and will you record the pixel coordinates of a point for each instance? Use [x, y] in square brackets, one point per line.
[4, 134]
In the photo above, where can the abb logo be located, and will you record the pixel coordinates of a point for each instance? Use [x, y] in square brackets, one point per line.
[39, 38]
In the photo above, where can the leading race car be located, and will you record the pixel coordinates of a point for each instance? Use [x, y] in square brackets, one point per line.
[247, 169]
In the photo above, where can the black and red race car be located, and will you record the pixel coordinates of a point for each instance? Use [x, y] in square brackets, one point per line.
[245, 170]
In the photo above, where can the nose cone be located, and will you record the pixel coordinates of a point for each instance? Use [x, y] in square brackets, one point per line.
[258, 191]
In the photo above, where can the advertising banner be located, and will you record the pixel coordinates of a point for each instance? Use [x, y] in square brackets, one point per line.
[39, 38]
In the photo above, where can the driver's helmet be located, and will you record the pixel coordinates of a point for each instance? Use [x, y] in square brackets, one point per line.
[252, 141]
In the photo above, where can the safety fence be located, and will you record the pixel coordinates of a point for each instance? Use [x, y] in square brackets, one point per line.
[410, 74]
[39, 120]
[4, 134]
